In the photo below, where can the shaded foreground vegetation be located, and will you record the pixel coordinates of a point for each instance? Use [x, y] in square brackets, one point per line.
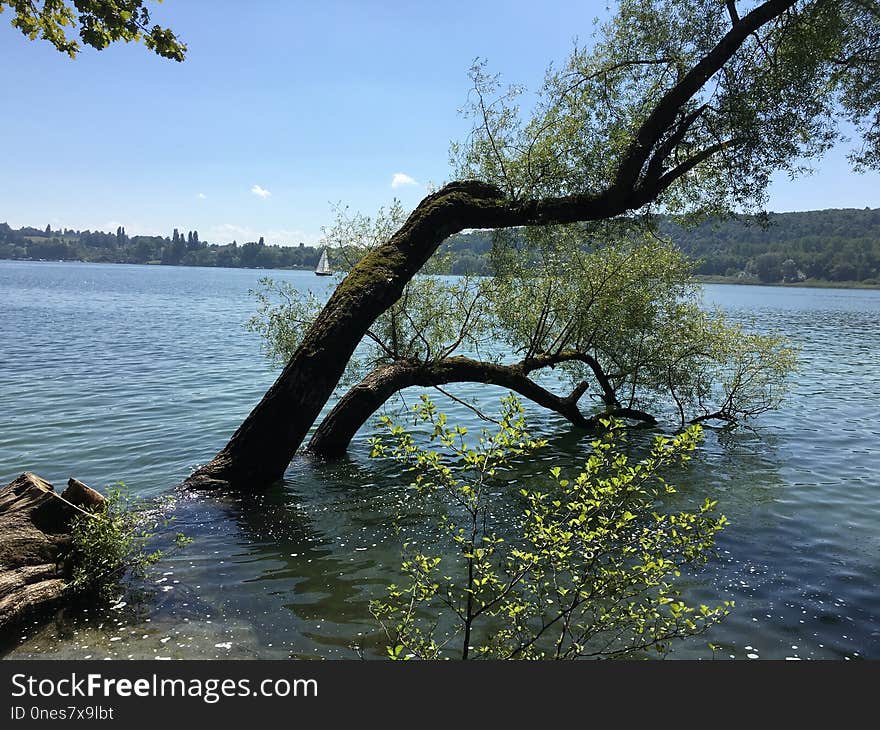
[589, 568]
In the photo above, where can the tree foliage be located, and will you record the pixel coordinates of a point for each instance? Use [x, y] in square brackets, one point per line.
[614, 310]
[588, 569]
[98, 23]
[631, 309]
[694, 104]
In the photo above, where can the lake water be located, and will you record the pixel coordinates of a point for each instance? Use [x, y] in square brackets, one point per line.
[139, 373]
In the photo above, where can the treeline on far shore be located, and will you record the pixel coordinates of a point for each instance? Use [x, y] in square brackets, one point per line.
[837, 245]
[178, 249]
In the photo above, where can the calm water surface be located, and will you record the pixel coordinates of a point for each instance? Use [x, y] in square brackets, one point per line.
[140, 373]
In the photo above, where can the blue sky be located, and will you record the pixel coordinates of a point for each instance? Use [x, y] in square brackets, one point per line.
[280, 110]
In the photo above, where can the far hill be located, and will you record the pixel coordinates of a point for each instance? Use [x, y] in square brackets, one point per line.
[833, 245]
[837, 245]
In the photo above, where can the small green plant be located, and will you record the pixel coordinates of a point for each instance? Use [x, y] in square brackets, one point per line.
[113, 541]
[587, 570]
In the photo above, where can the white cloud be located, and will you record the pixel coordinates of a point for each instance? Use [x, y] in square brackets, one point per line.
[400, 179]
[260, 192]
[201, 196]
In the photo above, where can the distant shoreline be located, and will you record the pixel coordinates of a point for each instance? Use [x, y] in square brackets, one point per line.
[155, 264]
[699, 278]
[806, 284]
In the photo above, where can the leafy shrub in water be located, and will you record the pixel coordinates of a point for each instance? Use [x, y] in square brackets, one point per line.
[113, 541]
[590, 569]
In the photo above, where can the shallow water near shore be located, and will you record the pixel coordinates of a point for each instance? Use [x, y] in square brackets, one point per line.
[140, 373]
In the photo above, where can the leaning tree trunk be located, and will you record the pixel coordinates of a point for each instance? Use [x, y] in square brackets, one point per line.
[334, 434]
[35, 541]
[262, 447]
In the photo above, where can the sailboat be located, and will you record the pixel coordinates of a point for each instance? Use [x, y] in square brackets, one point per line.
[323, 267]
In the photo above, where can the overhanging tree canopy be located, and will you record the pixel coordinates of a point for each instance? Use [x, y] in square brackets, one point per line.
[688, 105]
[97, 22]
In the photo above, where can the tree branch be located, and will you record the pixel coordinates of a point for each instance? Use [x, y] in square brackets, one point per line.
[354, 409]
[732, 11]
[655, 166]
[550, 360]
[689, 164]
[663, 114]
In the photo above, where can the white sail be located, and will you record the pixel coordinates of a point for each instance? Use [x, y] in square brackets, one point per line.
[323, 268]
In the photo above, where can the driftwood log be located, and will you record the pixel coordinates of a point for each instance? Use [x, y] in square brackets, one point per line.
[35, 540]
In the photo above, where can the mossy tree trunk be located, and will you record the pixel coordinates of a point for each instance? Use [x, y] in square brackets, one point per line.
[335, 432]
